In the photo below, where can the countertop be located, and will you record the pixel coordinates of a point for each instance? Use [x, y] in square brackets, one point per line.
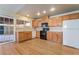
[52, 29]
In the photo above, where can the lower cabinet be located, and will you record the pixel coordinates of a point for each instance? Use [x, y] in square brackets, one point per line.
[37, 34]
[55, 36]
[49, 36]
[23, 36]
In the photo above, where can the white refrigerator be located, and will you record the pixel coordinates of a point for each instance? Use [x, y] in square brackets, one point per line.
[71, 33]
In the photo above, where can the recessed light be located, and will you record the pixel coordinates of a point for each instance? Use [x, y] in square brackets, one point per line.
[44, 11]
[28, 15]
[38, 13]
[52, 9]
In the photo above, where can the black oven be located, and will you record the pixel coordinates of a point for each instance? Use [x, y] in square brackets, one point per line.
[43, 35]
[43, 32]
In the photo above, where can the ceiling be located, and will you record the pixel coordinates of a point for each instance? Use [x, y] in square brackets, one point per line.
[32, 9]
[9, 9]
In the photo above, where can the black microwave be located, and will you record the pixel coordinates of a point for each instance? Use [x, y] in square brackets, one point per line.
[44, 25]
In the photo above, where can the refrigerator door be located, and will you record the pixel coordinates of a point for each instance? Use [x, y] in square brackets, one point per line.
[71, 33]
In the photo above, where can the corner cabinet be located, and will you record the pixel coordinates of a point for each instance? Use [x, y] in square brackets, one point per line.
[23, 36]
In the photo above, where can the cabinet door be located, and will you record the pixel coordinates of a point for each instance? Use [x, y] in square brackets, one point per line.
[50, 24]
[21, 36]
[44, 18]
[37, 34]
[55, 37]
[74, 16]
[29, 35]
[49, 36]
[60, 37]
[71, 16]
[33, 23]
[66, 17]
[55, 21]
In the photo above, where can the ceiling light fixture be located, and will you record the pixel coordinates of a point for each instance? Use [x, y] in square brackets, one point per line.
[52, 9]
[44, 12]
[38, 13]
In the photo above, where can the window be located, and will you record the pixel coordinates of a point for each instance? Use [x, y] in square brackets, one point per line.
[1, 20]
[1, 30]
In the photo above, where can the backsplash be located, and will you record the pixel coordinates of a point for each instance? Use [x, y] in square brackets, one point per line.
[55, 29]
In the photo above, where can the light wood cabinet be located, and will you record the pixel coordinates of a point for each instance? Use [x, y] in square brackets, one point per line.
[44, 17]
[74, 16]
[37, 34]
[42, 21]
[23, 36]
[38, 22]
[34, 23]
[66, 17]
[49, 36]
[55, 37]
[55, 21]
[71, 16]
[58, 37]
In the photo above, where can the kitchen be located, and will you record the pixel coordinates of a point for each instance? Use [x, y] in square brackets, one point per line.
[43, 29]
[56, 26]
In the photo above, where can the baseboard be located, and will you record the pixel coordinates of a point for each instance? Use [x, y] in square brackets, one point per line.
[71, 47]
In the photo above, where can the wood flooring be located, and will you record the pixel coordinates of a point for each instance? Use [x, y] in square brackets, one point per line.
[37, 47]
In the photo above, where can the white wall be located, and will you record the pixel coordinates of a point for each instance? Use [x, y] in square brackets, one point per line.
[71, 33]
[24, 27]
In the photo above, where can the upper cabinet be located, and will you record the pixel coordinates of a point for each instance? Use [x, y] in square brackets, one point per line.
[44, 18]
[66, 17]
[74, 16]
[71, 16]
[55, 21]
[35, 23]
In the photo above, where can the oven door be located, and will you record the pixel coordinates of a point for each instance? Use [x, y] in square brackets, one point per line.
[43, 35]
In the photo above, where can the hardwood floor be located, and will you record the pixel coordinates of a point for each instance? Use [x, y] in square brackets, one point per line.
[37, 47]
